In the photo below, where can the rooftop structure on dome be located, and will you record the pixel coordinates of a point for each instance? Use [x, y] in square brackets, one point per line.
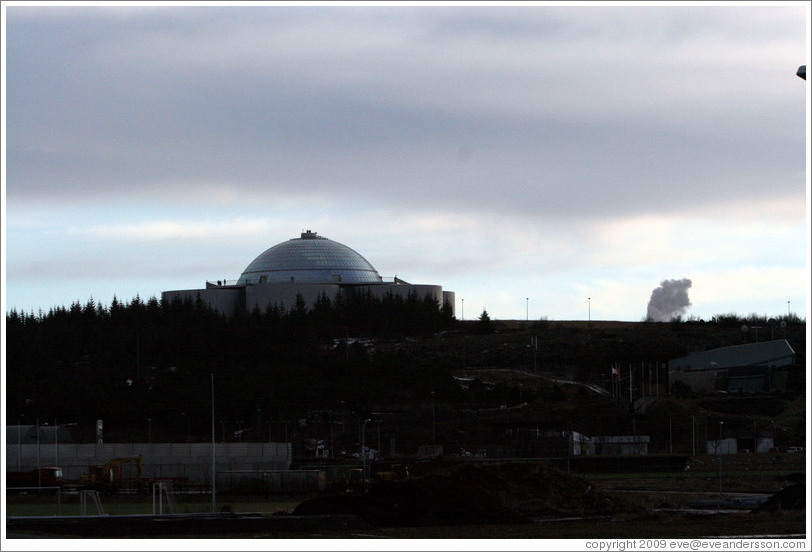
[306, 267]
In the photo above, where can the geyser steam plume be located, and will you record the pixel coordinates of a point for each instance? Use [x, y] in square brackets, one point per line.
[669, 301]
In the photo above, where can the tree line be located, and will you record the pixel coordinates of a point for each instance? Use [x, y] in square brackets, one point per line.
[127, 362]
[134, 361]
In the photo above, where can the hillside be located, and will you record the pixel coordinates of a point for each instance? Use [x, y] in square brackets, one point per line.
[566, 384]
[310, 376]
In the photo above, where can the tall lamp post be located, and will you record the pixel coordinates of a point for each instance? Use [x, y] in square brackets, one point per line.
[39, 472]
[19, 447]
[432, 418]
[379, 420]
[188, 427]
[213, 453]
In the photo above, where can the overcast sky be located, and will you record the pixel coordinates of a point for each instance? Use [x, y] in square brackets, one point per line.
[542, 161]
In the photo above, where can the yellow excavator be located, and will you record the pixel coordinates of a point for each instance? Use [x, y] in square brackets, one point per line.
[110, 476]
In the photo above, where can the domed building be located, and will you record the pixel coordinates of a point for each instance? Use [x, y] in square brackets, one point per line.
[308, 266]
[311, 259]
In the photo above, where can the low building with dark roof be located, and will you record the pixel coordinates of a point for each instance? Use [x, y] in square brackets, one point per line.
[749, 367]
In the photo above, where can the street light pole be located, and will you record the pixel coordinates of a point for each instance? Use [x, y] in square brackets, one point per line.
[720, 457]
[379, 437]
[19, 447]
[188, 427]
[39, 472]
[432, 418]
[363, 451]
[670, 437]
[213, 453]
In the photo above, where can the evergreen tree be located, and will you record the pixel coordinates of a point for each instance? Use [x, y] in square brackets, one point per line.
[485, 325]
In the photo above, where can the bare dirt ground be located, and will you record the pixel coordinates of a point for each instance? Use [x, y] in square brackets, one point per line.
[640, 526]
[789, 524]
[583, 507]
[535, 501]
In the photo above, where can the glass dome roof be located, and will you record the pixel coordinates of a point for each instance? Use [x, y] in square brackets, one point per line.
[311, 259]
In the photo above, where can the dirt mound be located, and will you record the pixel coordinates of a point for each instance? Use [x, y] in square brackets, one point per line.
[788, 498]
[471, 494]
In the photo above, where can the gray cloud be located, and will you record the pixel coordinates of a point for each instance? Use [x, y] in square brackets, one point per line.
[553, 112]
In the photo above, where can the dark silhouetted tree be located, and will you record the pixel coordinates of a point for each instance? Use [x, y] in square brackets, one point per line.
[485, 325]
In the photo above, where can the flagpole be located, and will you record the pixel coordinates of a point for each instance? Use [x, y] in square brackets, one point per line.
[612, 379]
[631, 398]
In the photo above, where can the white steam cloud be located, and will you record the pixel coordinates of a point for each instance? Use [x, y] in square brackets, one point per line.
[669, 301]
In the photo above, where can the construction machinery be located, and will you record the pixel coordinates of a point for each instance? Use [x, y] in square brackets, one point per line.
[356, 481]
[109, 477]
[390, 472]
[359, 480]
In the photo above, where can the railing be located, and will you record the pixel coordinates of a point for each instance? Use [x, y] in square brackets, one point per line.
[223, 283]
